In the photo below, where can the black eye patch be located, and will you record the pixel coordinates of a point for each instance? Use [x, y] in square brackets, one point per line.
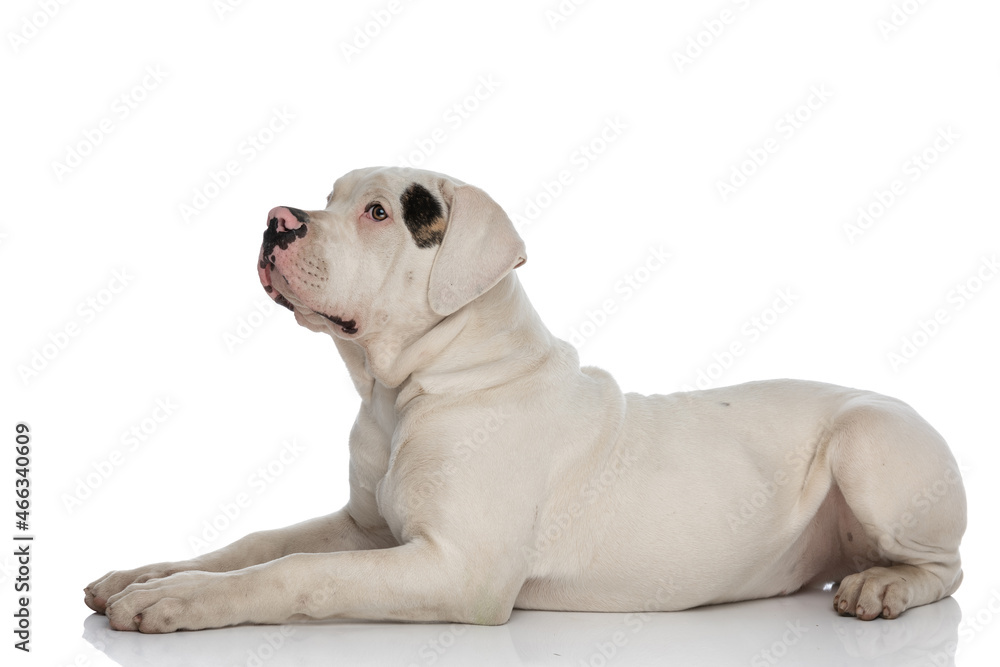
[423, 216]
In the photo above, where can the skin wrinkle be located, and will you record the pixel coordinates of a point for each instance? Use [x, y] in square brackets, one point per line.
[274, 238]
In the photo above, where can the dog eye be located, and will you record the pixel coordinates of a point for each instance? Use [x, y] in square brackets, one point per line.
[377, 211]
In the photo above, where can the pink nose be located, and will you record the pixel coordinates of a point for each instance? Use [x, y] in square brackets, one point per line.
[288, 218]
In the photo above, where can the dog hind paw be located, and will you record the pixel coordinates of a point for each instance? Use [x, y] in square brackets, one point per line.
[878, 591]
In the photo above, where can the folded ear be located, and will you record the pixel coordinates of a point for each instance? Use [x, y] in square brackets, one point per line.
[480, 247]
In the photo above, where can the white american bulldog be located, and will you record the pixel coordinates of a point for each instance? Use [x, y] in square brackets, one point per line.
[489, 471]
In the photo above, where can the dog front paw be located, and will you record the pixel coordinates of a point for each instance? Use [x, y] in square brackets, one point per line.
[99, 591]
[181, 601]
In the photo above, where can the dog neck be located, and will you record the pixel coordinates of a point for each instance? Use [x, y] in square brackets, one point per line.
[490, 340]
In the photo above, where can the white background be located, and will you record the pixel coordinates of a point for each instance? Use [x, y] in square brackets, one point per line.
[191, 287]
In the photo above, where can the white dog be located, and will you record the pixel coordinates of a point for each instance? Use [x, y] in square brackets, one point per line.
[489, 471]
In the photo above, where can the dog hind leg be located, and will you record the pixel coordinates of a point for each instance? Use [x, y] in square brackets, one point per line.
[902, 485]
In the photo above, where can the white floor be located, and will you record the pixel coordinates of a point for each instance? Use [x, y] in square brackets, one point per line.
[798, 630]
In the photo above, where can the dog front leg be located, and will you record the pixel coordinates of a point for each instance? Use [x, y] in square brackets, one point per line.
[417, 581]
[334, 532]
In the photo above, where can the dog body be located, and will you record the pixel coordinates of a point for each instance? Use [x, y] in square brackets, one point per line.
[489, 471]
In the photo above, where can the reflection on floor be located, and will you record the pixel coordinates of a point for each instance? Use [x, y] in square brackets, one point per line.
[801, 629]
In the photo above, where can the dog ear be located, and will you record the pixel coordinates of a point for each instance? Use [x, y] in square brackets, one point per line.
[480, 247]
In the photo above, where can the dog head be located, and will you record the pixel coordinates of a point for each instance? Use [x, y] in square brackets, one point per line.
[394, 250]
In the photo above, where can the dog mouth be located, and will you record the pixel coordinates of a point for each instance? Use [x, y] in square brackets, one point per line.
[265, 266]
[275, 238]
[347, 326]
